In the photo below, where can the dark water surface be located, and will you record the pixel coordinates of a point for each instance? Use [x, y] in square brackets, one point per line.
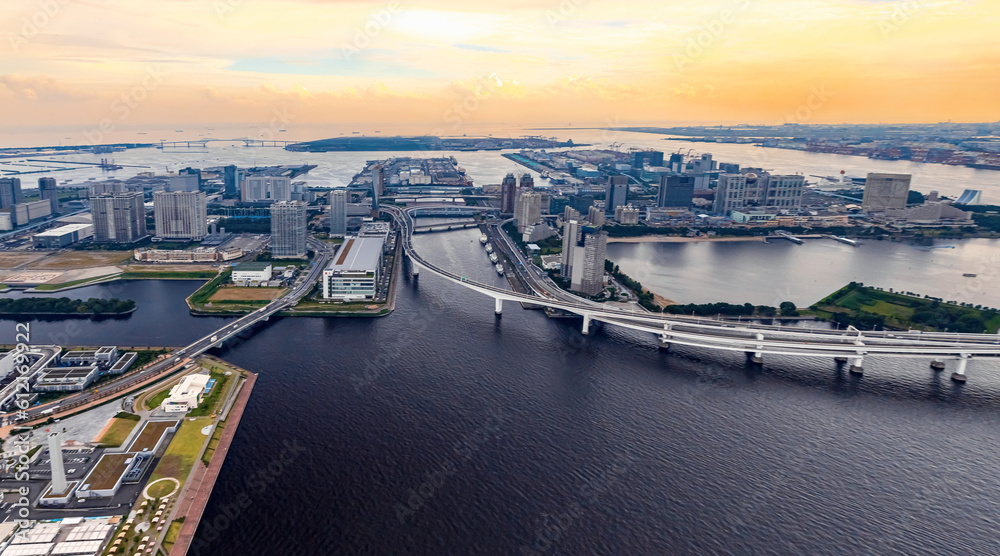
[442, 430]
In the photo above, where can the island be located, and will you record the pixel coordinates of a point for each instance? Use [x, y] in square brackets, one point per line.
[64, 306]
[426, 143]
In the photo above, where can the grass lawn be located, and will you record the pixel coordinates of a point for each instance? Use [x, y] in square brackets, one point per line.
[202, 294]
[52, 287]
[173, 531]
[213, 443]
[118, 432]
[208, 405]
[868, 306]
[237, 293]
[156, 399]
[159, 490]
[183, 451]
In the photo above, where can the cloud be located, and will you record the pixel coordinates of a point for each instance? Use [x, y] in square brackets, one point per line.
[40, 87]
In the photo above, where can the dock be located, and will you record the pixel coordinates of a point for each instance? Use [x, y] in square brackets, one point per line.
[844, 240]
[781, 234]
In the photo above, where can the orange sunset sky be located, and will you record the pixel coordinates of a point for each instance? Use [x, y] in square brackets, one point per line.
[74, 62]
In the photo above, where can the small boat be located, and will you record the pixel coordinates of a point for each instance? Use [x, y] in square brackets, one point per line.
[489, 248]
[499, 268]
[494, 258]
[483, 239]
[969, 275]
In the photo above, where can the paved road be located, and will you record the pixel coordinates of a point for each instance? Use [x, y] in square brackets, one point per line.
[181, 357]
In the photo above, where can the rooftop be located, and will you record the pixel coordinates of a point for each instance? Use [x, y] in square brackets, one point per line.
[62, 230]
[358, 255]
[253, 266]
[150, 435]
[108, 470]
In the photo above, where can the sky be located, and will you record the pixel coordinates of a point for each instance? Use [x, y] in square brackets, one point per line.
[448, 64]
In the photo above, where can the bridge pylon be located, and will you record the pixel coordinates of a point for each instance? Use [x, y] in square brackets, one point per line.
[499, 307]
[857, 365]
[586, 325]
[963, 364]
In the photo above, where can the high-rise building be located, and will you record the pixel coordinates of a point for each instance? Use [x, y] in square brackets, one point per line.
[49, 191]
[181, 215]
[377, 183]
[653, 158]
[266, 188]
[886, 191]
[378, 180]
[189, 171]
[288, 230]
[676, 163]
[118, 217]
[730, 195]
[338, 213]
[10, 192]
[571, 234]
[584, 252]
[231, 176]
[527, 182]
[784, 191]
[183, 182]
[596, 216]
[616, 193]
[530, 210]
[627, 215]
[508, 194]
[25, 213]
[703, 164]
[676, 191]
[558, 204]
[110, 186]
[581, 202]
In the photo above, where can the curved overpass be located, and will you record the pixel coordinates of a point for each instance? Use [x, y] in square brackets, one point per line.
[755, 340]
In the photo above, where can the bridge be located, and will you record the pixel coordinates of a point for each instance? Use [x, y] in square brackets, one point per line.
[843, 346]
[178, 360]
[245, 140]
[444, 227]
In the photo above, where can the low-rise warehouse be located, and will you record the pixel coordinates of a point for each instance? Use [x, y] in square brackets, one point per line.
[63, 236]
[353, 274]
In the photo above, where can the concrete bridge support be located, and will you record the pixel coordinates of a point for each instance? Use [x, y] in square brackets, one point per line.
[664, 342]
[857, 366]
[937, 365]
[840, 360]
[499, 306]
[758, 356]
[586, 324]
[963, 364]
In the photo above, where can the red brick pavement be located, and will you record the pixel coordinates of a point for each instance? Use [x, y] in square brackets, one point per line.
[200, 484]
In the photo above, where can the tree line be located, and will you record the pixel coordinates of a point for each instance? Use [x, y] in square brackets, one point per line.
[65, 305]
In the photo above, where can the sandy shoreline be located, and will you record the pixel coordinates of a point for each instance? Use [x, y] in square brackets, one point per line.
[678, 239]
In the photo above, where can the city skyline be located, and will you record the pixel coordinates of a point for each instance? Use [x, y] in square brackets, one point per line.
[447, 65]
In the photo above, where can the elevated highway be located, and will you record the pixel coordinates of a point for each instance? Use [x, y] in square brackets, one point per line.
[755, 340]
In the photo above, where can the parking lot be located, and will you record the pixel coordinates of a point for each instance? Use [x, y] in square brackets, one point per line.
[249, 243]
